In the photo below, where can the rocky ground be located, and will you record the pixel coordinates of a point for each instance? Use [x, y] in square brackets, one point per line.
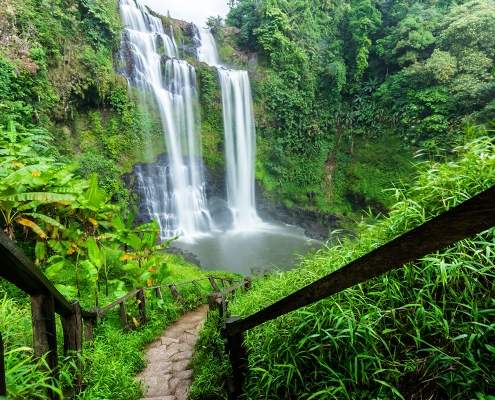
[167, 376]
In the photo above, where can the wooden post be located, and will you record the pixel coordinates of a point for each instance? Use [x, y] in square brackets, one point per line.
[231, 281]
[3, 385]
[176, 295]
[44, 333]
[213, 284]
[223, 283]
[141, 304]
[212, 301]
[88, 331]
[44, 328]
[72, 328]
[158, 292]
[123, 317]
[248, 282]
[238, 356]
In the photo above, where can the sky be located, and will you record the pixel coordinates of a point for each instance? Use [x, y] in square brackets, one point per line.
[196, 11]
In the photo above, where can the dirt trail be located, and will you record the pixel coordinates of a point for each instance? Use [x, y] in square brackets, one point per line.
[166, 374]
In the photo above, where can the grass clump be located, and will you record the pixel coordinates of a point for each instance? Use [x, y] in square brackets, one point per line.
[114, 358]
[26, 377]
[423, 331]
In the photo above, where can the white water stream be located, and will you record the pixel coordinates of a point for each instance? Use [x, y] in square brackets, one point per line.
[172, 190]
[239, 131]
[179, 204]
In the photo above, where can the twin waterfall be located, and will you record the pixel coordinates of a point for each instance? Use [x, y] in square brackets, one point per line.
[174, 193]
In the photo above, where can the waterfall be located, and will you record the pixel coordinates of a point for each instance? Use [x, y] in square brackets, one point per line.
[239, 131]
[174, 194]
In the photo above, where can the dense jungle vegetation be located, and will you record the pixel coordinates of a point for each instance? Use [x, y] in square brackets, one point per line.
[346, 91]
[68, 130]
[345, 94]
[424, 331]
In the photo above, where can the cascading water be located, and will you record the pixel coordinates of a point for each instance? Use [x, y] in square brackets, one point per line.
[175, 192]
[238, 121]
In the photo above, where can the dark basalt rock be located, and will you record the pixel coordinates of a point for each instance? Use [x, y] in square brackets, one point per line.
[187, 255]
[316, 224]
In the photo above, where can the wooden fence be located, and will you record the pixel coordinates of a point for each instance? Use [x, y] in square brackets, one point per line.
[463, 221]
[46, 301]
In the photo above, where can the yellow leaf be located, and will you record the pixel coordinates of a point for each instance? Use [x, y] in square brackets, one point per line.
[136, 322]
[149, 282]
[33, 226]
[36, 173]
[70, 251]
[17, 164]
[152, 269]
[93, 221]
[127, 256]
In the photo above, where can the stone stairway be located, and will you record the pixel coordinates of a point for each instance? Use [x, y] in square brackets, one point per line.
[166, 376]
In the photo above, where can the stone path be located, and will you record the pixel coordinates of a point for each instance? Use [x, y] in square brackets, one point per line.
[166, 374]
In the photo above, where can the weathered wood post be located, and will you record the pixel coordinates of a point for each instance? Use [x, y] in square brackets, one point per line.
[88, 327]
[141, 299]
[123, 317]
[72, 329]
[238, 356]
[3, 385]
[44, 332]
[44, 328]
[248, 282]
[176, 295]
[88, 331]
[158, 292]
[212, 301]
[214, 284]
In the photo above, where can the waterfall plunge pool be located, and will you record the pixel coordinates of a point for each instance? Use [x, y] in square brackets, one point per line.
[264, 248]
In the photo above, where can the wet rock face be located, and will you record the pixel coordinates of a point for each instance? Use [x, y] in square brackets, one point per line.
[187, 255]
[147, 179]
[359, 202]
[317, 225]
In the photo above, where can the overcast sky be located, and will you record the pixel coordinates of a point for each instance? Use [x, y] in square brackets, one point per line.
[196, 11]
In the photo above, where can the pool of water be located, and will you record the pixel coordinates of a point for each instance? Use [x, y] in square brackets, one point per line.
[266, 247]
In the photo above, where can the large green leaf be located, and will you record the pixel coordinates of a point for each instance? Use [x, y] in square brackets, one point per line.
[96, 255]
[39, 196]
[53, 269]
[94, 196]
[67, 291]
[90, 269]
[47, 219]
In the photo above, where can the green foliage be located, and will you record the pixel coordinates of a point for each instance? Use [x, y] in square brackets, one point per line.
[211, 117]
[424, 330]
[26, 377]
[209, 371]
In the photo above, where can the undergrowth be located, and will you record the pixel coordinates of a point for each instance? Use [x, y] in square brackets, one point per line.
[421, 332]
[114, 358]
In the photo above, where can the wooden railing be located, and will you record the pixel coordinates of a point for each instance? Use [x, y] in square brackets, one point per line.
[219, 300]
[46, 301]
[461, 222]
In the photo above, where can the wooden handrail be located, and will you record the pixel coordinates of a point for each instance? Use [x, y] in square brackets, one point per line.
[21, 271]
[46, 300]
[463, 221]
[117, 302]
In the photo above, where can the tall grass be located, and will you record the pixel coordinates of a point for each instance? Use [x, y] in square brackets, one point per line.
[425, 331]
